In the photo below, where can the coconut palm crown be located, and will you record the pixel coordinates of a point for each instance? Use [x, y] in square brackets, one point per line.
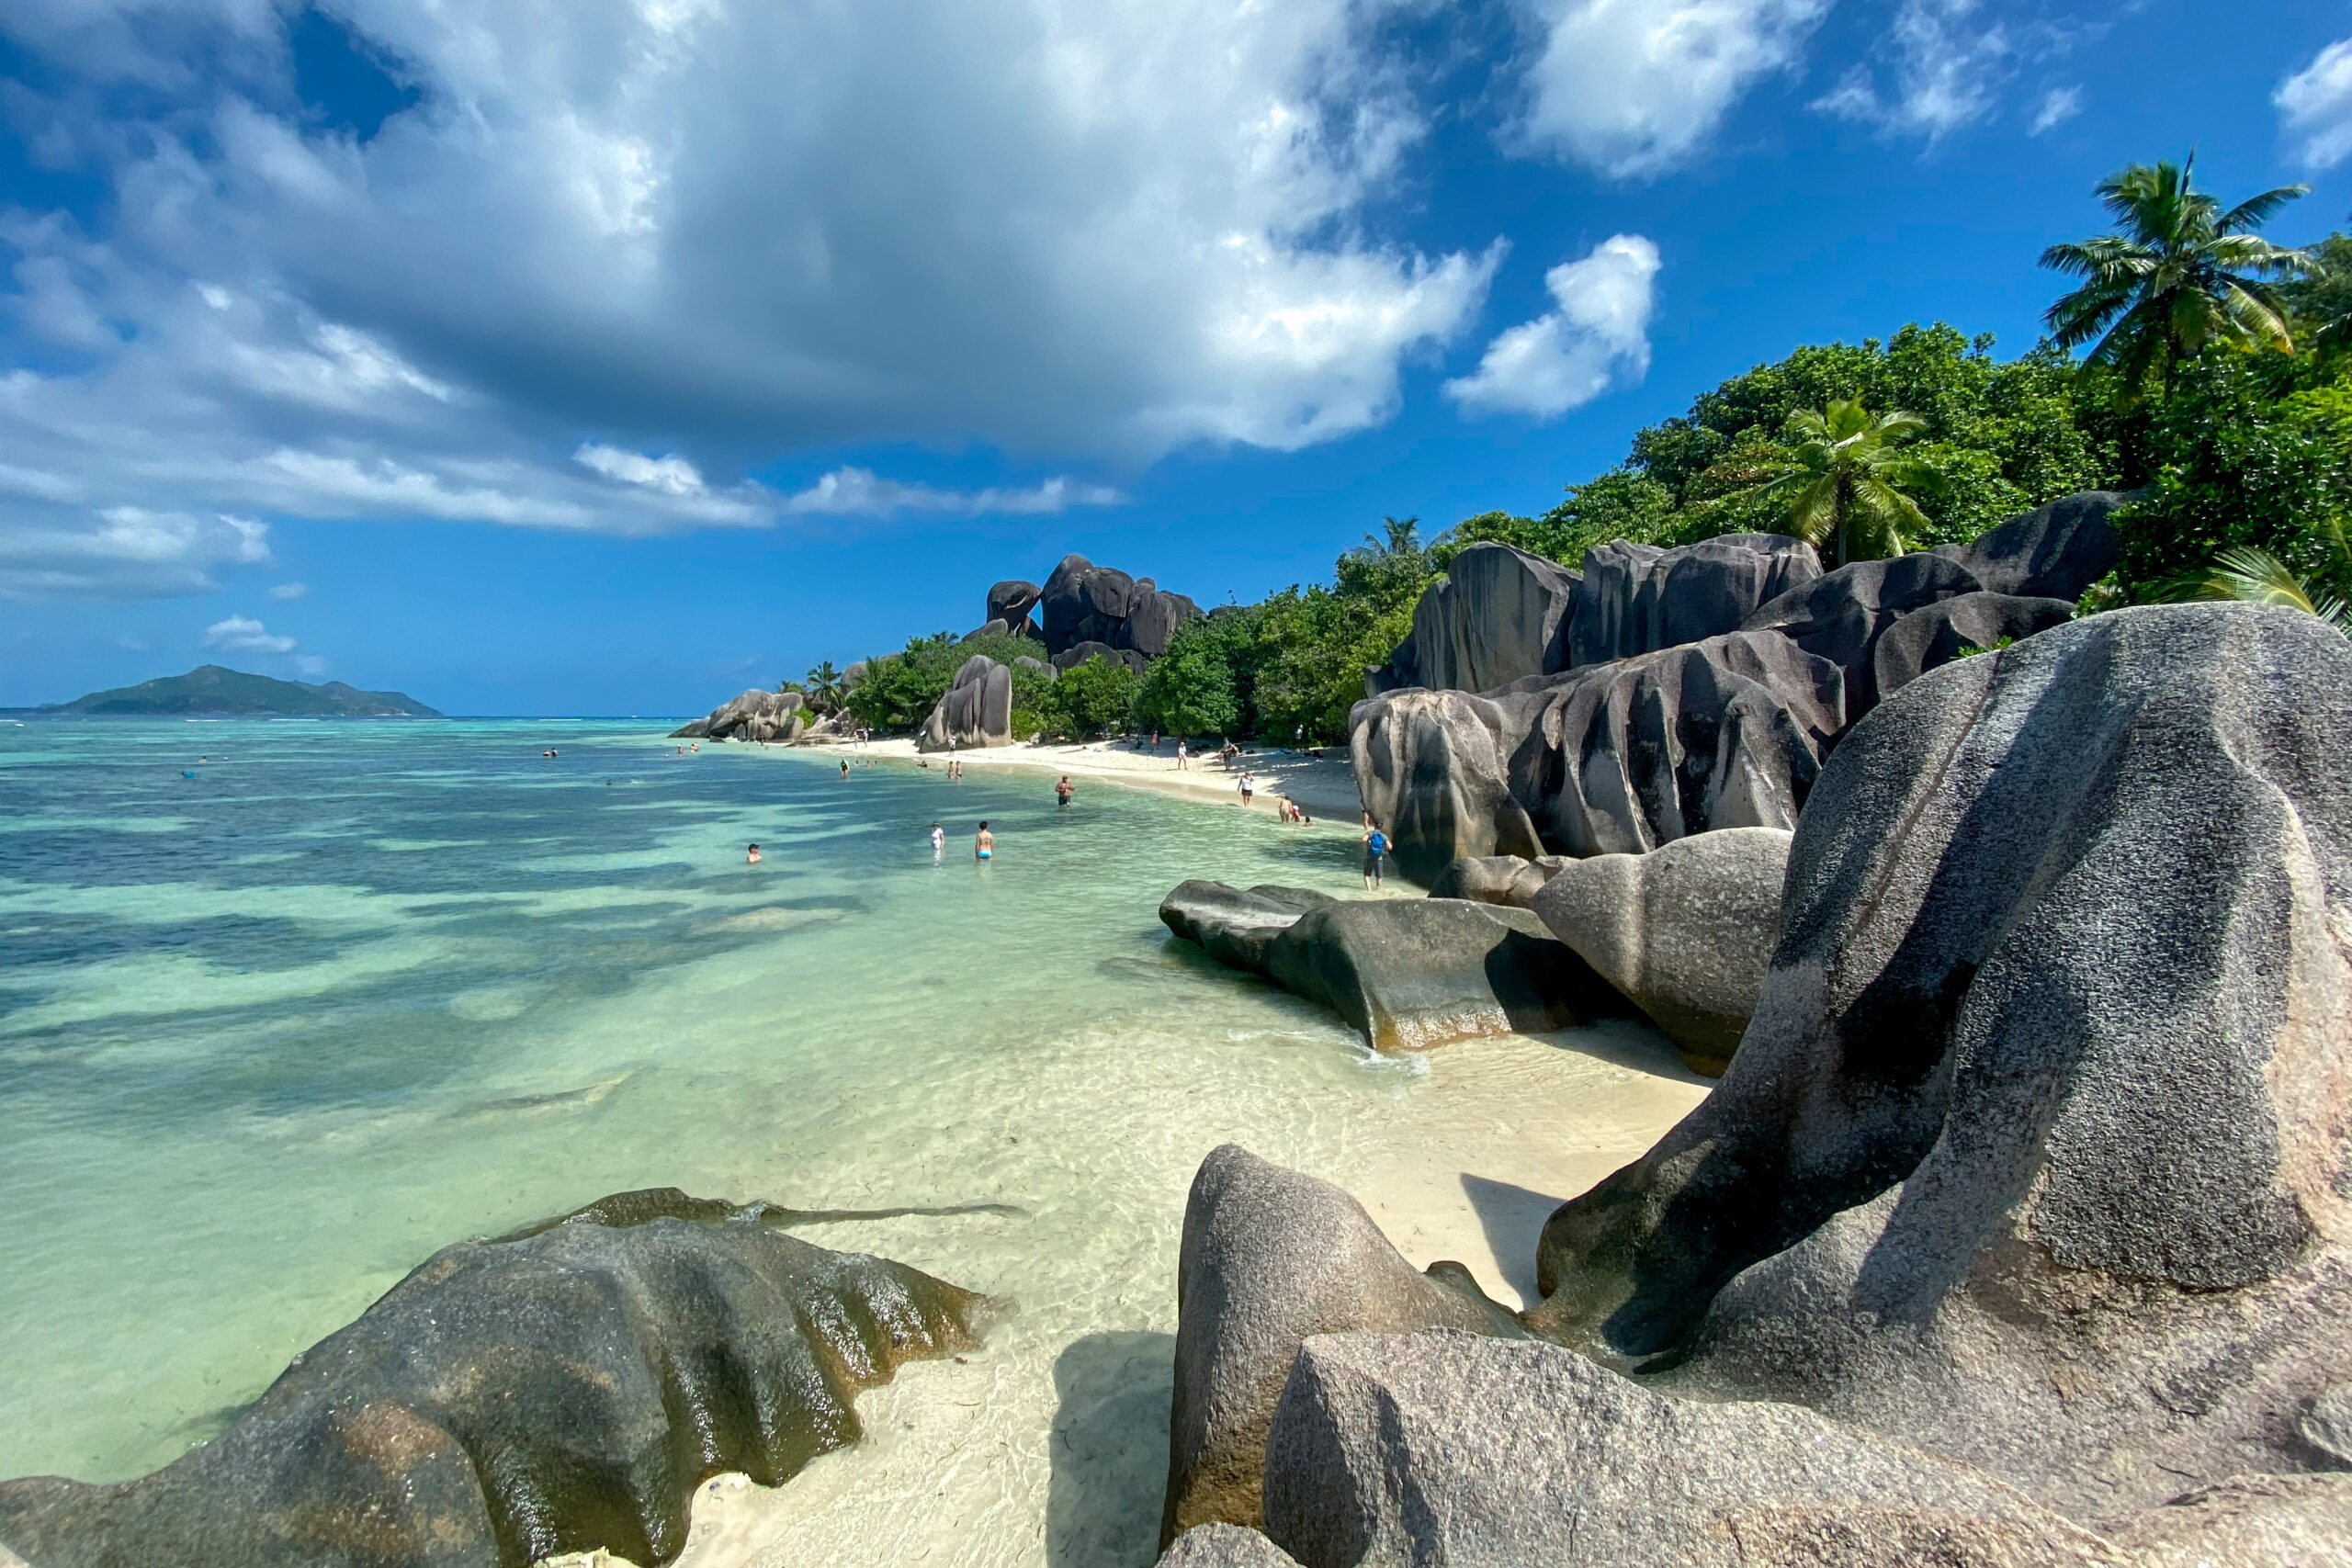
[1852, 484]
[2181, 276]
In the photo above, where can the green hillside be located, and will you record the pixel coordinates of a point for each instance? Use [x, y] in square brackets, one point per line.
[209, 689]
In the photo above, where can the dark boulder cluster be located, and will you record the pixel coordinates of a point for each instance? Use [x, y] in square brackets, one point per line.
[562, 1390]
[755, 716]
[2018, 1233]
[1083, 603]
[1664, 692]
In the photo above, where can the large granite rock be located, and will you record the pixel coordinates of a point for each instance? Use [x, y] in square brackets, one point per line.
[1036, 667]
[1153, 621]
[1635, 599]
[1460, 1450]
[1079, 653]
[1270, 1257]
[2052, 552]
[2035, 1151]
[1234, 927]
[1684, 931]
[1010, 600]
[562, 1390]
[1931, 637]
[974, 710]
[1408, 973]
[1434, 770]
[757, 715]
[1618, 758]
[1499, 614]
[1497, 879]
[1085, 602]
[1840, 616]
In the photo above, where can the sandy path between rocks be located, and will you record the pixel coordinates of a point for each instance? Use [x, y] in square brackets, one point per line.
[1324, 786]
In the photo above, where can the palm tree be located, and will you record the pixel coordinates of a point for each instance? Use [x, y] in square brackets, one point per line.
[1397, 536]
[2183, 273]
[825, 685]
[2256, 577]
[1852, 485]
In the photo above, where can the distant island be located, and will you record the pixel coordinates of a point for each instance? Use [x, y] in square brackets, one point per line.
[209, 690]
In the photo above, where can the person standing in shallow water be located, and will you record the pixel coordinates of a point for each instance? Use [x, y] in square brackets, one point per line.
[984, 844]
[1375, 845]
[1061, 793]
[938, 840]
[751, 857]
[844, 767]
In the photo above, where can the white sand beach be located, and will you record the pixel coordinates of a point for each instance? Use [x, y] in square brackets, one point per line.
[1324, 785]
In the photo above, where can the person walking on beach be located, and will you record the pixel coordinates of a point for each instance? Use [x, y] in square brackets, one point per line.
[1061, 793]
[1375, 845]
[1249, 787]
[984, 844]
[1180, 755]
[938, 840]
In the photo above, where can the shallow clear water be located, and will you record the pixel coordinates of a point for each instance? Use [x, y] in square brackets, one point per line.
[271, 1034]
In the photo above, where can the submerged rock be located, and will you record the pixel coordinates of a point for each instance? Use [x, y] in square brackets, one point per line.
[1460, 1450]
[2035, 1152]
[562, 1390]
[975, 710]
[1409, 974]
[1684, 931]
[1270, 1258]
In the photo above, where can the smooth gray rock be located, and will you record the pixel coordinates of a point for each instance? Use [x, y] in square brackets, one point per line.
[756, 715]
[2325, 1423]
[1070, 658]
[2052, 552]
[1233, 927]
[1434, 769]
[1932, 638]
[1036, 667]
[1409, 975]
[1085, 602]
[1153, 621]
[1270, 1258]
[1683, 931]
[1497, 879]
[1225, 1546]
[2034, 1152]
[1840, 616]
[561, 1390]
[1635, 599]
[974, 710]
[1446, 1449]
[1010, 600]
[1499, 614]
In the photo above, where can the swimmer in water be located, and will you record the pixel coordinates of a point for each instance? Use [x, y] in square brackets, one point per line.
[984, 844]
[751, 857]
[844, 767]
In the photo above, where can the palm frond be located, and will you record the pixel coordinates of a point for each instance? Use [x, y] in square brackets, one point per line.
[2256, 577]
[2256, 210]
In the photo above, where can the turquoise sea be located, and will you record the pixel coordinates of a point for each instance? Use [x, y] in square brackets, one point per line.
[272, 1034]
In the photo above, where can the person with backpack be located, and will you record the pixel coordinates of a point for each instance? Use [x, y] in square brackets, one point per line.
[1375, 844]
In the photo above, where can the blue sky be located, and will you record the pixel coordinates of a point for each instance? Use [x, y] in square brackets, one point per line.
[606, 356]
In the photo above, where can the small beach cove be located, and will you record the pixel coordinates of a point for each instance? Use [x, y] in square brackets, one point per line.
[275, 1033]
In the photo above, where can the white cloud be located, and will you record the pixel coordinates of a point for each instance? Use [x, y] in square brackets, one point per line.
[123, 552]
[1949, 65]
[310, 664]
[858, 492]
[1632, 87]
[1597, 337]
[2058, 105]
[289, 591]
[2315, 107]
[240, 634]
[1081, 231]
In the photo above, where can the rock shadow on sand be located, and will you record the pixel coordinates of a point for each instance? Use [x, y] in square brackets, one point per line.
[1109, 1450]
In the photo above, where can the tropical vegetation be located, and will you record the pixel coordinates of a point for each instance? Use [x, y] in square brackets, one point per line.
[2214, 381]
